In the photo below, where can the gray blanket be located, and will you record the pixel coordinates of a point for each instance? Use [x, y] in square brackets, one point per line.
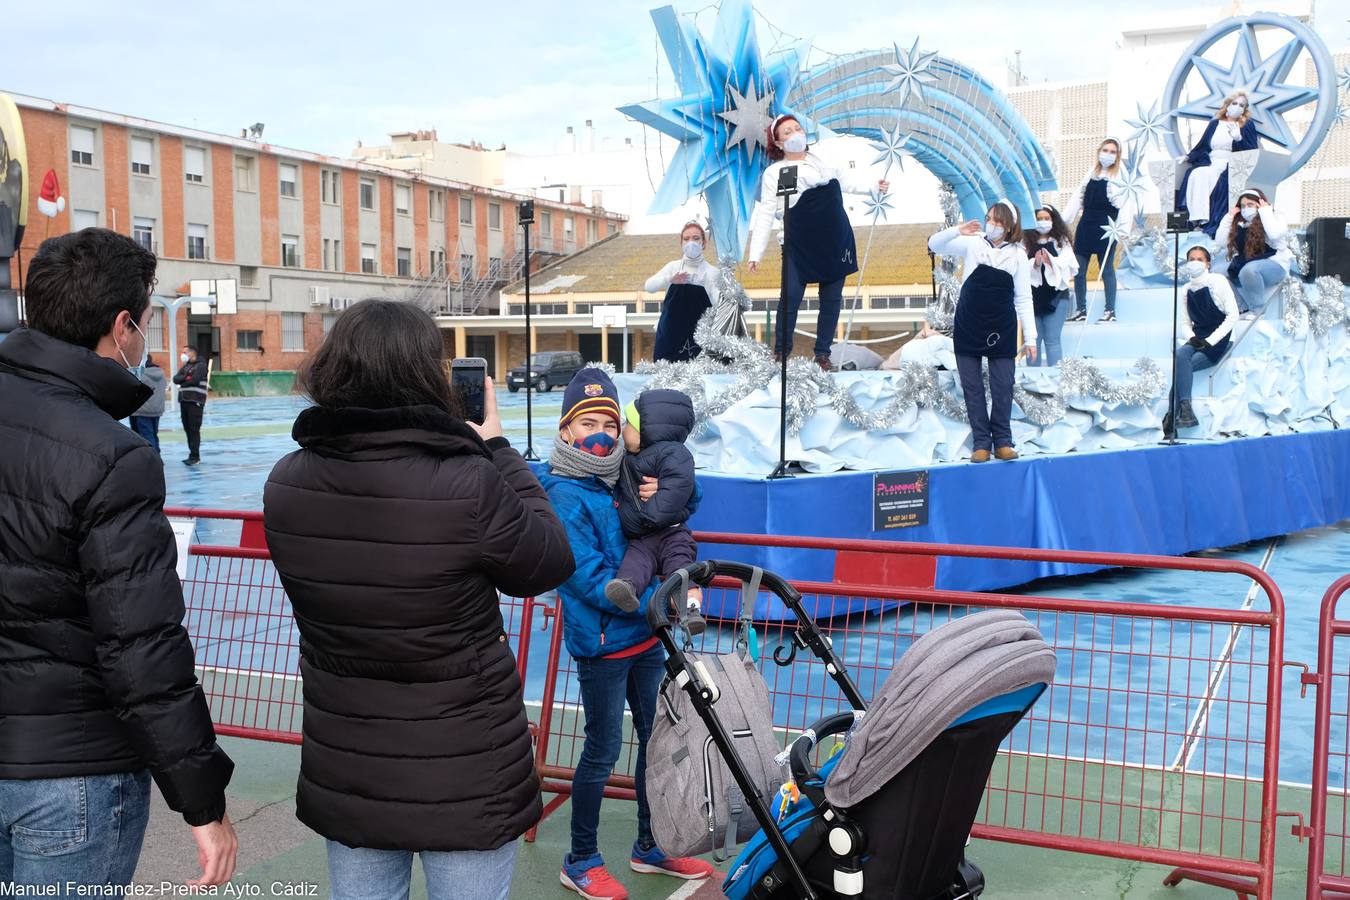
[944, 675]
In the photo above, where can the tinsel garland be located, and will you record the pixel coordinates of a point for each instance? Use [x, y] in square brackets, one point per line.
[918, 385]
[1156, 240]
[1298, 245]
[941, 314]
[1320, 308]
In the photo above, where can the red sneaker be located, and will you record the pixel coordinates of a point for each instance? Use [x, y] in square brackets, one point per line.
[594, 883]
[654, 862]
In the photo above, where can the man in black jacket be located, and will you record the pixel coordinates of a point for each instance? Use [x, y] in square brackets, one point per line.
[97, 688]
[192, 383]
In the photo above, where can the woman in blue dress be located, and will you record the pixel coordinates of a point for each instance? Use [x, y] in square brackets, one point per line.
[1101, 197]
[1204, 188]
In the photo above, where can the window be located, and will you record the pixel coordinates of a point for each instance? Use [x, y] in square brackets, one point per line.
[367, 194]
[194, 164]
[248, 340]
[612, 228]
[243, 174]
[143, 231]
[142, 155]
[196, 242]
[466, 210]
[403, 260]
[402, 199]
[155, 335]
[494, 265]
[546, 223]
[495, 216]
[83, 218]
[293, 332]
[436, 205]
[82, 145]
[466, 272]
[332, 186]
[569, 226]
[592, 231]
[290, 251]
[438, 263]
[327, 250]
[248, 276]
[289, 175]
[368, 258]
[337, 255]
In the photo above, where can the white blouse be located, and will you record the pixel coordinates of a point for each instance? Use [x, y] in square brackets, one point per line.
[700, 272]
[1115, 193]
[1222, 295]
[1059, 273]
[1277, 235]
[811, 172]
[1011, 258]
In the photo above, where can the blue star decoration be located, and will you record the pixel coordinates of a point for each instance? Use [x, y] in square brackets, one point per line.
[729, 95]
[1115, 232]
[1150, 127]
[877, 204]
[891, 149]
[1342, 116]
[1133, 184]
[1343, 79]
[1263, 80]
[910, 72]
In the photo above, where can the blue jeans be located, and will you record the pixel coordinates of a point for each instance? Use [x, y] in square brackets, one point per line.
[359, 873]
[1108, 267]
[605, 685]
[1189, 361]
[988, 430]
[827, 318]
[148, 428]
[85, 830]
[1256, 283]
[1049, 330]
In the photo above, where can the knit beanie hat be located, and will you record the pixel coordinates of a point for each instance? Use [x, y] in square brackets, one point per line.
[589, 391]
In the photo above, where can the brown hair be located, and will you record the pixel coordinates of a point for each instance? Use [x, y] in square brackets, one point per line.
[381, 354]
[1008, 218]
[1059, 232]
[1256, 232]
[691, 224]
[774, 151]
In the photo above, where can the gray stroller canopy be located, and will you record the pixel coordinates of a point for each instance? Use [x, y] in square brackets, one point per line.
[944, 675]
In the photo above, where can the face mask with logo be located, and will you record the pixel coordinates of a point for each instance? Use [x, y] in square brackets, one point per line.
[1235, 110]
[1194, 269]
[139, 369]
[1248, 213]
[598, 444]
[993, 232]
[796, 143]
[1044, 227]
[693, 250]
[1107, 160]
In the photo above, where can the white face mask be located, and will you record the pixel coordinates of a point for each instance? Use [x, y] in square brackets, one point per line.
[139, 369]
[1106, 159]
[182, 357]
[1248, 213]
[1044, 227]
[1235, 110]
[993, 232]
[796, 143]
[693, 250]
[1194, 269]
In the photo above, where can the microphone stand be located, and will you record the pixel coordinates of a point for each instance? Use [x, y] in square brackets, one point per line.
[787, 186]
[1176, 223]
[526, 214]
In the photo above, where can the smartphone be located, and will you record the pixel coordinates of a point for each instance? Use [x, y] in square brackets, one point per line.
[469, 377]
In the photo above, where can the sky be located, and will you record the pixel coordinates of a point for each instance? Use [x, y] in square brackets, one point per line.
[323, 76]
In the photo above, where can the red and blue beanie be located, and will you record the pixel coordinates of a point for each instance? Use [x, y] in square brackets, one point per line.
[589, 391]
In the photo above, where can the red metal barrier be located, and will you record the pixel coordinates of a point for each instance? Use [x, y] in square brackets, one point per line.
[1158, 740]
[1329, 847]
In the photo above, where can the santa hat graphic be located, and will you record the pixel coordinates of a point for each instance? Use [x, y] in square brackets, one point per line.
[50, 202]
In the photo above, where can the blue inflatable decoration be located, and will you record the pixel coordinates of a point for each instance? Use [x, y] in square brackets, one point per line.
[943, 114]
[1263, 79]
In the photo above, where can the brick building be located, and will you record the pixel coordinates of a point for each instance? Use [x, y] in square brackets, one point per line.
[303, 235]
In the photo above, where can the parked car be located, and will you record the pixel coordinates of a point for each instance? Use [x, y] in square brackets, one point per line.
[547, 370]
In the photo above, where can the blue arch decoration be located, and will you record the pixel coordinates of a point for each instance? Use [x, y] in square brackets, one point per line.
[954, 122]
[1269, 94]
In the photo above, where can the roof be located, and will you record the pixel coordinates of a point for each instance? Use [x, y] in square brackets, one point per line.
[622, 262]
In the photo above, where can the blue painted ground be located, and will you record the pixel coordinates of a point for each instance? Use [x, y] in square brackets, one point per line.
[244, 438]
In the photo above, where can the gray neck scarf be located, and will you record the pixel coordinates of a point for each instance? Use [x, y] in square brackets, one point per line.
[570, 462]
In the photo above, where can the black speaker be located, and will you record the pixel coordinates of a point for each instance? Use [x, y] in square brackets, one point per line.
[1329, 247]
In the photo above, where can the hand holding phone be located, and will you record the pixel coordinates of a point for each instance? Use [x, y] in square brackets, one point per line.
[469, 377]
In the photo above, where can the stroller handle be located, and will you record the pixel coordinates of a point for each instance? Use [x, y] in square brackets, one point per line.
[702, 573]
[800, 751]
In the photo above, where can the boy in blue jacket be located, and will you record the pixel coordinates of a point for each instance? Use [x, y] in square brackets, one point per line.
[658, 423]
[617, 657]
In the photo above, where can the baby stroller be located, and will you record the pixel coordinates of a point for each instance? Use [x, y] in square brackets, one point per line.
[889, 815]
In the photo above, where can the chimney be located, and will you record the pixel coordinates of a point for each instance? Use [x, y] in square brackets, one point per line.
[570, 142]
[589, 134]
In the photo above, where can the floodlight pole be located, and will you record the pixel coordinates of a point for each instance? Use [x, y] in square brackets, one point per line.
[527, 217]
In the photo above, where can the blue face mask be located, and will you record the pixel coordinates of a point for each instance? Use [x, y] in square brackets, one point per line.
[598, 444]
[139, 369]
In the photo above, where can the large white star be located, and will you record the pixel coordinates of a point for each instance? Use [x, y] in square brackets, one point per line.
[910, 71]
[750, 117]
[891, 148]
[1269, 95]
[877, 204]
[1150, 127]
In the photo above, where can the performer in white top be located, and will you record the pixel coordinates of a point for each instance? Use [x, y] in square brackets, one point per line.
[690, 283]
[1101, 196]
[995, 297]
[1204, 188]
[820, 248]
[1053, 266]
[1255, 239]
[1206, 323]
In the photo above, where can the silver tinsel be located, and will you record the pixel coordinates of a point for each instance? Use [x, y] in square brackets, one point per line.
[1321, 308]
[1298, 245]
[918, 386]
[950, 206]
[1295, 313]
[1156, 240]
[941, 313]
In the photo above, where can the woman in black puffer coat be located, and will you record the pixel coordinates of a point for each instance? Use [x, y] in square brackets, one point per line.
[393, 529]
